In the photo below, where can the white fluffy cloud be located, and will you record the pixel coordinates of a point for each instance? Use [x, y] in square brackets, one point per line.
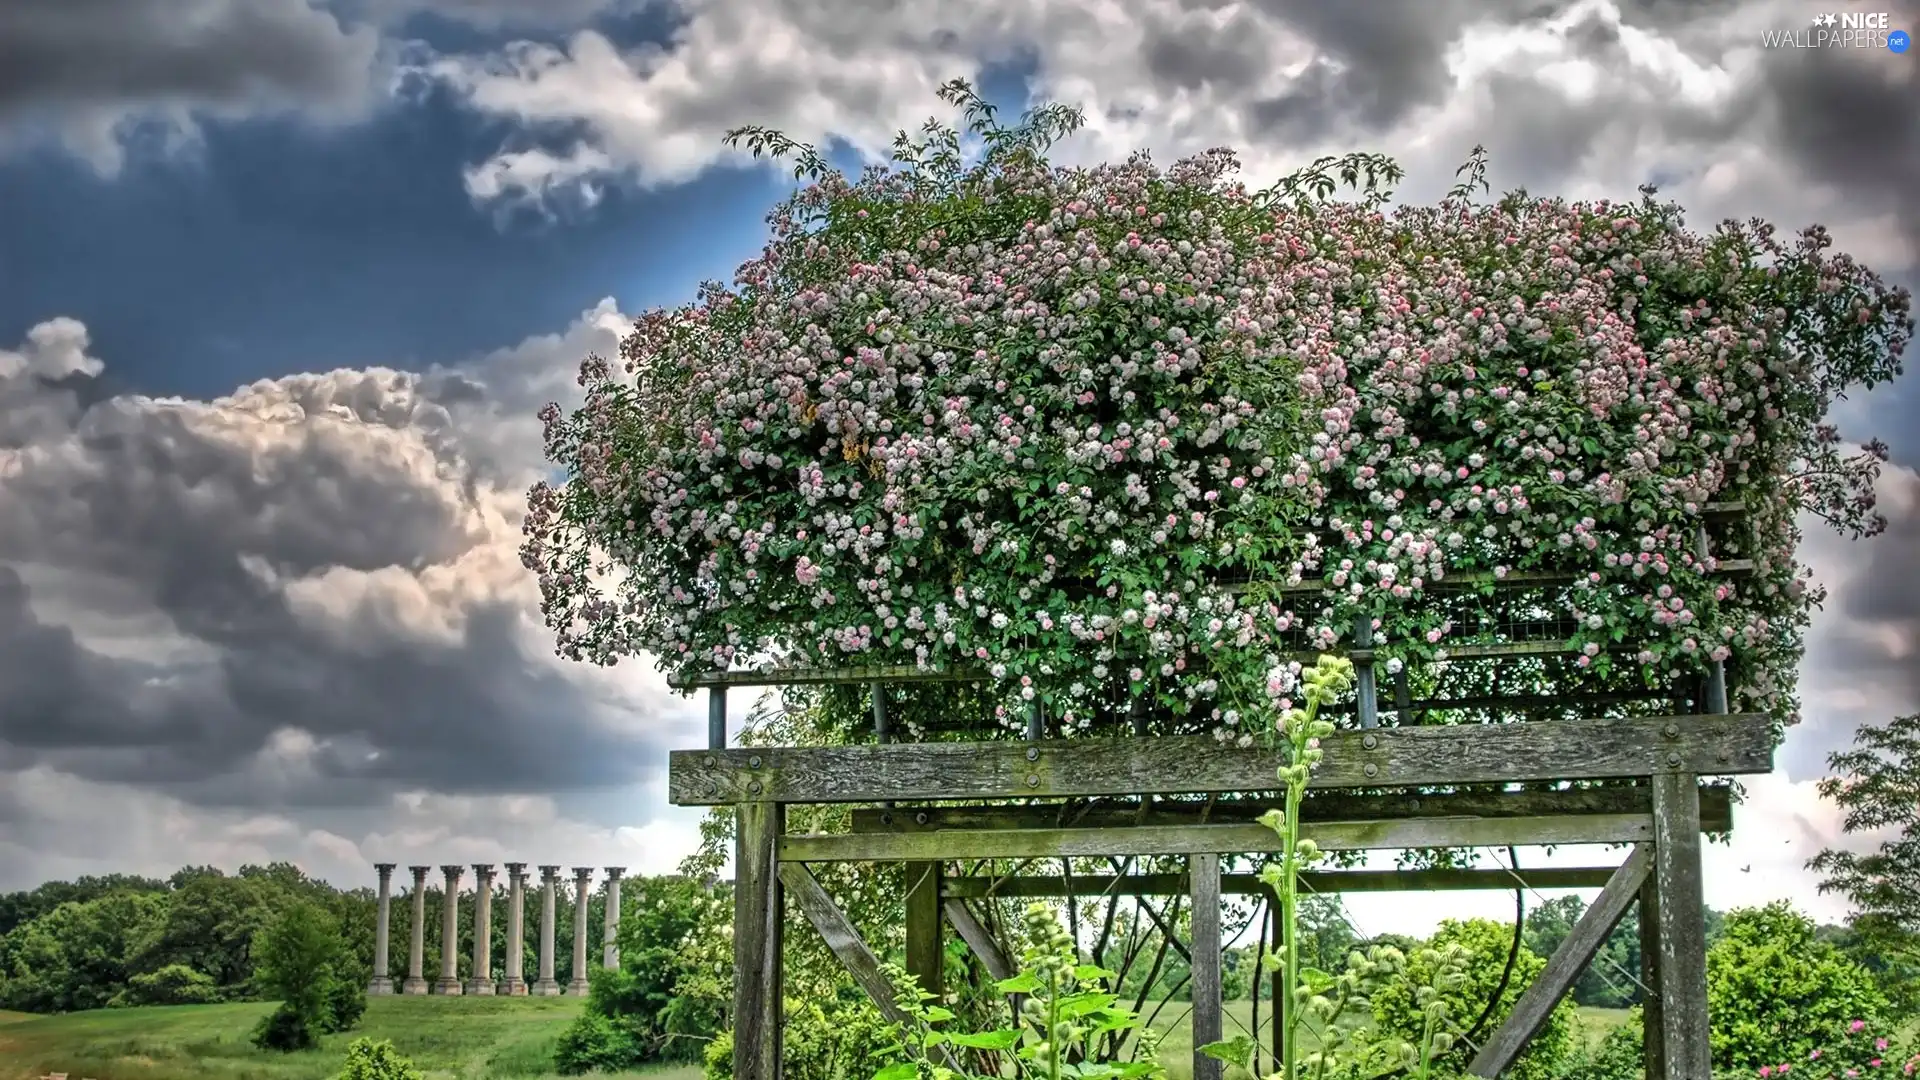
[292, 621]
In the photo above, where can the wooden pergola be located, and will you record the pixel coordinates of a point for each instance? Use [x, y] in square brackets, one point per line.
[1187, 796]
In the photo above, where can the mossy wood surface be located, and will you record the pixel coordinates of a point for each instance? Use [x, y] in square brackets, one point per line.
[1723, 745]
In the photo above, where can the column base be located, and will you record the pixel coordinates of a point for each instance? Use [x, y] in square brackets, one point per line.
[414, 986]
[479, 987]
[577, 988]
[380, 987]
[545, 988]
[514, 986]
[448, 986]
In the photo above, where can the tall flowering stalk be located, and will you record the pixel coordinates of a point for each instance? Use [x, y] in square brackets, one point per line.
[1300, 729]
[1308, 992]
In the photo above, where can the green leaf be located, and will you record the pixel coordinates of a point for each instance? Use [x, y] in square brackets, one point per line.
[901, 1070]
[1235, 1051]
[1024, 983]
[936, 1014]
[988, 1040]
[1090, 972]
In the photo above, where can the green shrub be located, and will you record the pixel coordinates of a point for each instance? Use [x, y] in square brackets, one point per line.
[370, 1060]
[595, 1042]
[175, 984]
[287, 1029]
[834, 1040]
[1776, 993]
[1395, 1009]
[1619, 1055]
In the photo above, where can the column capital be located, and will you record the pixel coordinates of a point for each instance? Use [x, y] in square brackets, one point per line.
[614, 872]
[420, 872]
[517, 869]
[453, 869]
[583, 873]
[551, 873]
[385, 868]
[483, 869]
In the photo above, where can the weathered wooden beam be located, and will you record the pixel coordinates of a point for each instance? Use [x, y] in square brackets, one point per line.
[1683, 936]
[1213, 839]
[1320, 881]
[926, 952]
[1567, 964]
[758, 995]
[976, 935]
[841, 937]
[1716, 810]
[825, 676]
[1726, 745]
[1203, 872]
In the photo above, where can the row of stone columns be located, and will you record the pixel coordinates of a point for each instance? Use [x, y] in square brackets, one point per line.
[482, 982]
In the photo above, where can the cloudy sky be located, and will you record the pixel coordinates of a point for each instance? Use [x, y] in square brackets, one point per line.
[282, 283]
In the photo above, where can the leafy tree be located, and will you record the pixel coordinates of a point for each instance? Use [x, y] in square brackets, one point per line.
[638, 1014]
[1488, 943]
[1877, 784]
[175, 984]
[80, 954]
[1776, 993]
[301, 961]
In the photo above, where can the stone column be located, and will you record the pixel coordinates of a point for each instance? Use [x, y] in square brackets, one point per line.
[549, 884]
[610, 954]
[450, 932]
[481, 981]
[515, 984]
[381, 984]
[582, 880]
[417, 943]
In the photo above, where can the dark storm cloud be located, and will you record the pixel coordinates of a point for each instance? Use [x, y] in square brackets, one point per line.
[112, 52]
[328, 562]
[1376, 62]
[1883, 600]
[1848, 118]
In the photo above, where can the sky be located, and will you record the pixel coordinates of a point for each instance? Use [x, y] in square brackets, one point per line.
[283, 283]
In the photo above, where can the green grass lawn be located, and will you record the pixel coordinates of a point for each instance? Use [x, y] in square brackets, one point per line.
[465, 1038]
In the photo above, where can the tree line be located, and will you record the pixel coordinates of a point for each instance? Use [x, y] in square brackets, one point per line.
[121, 940]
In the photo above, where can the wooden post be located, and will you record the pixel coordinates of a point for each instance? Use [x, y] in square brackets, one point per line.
[1682, 927]
[1366, 695]
[758, 918]
[1652, 1026]
[717, 718]
[1204, 872]
[926, 952]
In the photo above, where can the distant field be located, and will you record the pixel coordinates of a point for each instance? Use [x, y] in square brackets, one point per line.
[449, 1038]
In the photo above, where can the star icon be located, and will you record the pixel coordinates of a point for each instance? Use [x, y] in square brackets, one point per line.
[1831, 19]
[1819, 20]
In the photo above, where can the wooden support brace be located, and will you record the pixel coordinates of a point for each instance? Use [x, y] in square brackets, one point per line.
[1567, 964]
[758, 918]
[841, 937]
[1682, 928]
[971, 931]
[1716, 810]
[1204, 872]
[1213, 839]
[1317, 881]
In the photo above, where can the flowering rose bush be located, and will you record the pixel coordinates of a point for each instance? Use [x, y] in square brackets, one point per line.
[1123, 432]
